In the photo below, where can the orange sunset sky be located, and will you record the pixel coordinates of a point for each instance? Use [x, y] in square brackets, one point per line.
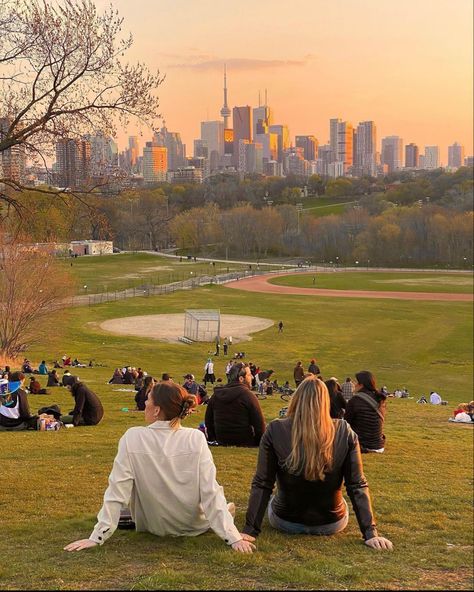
[406, 64]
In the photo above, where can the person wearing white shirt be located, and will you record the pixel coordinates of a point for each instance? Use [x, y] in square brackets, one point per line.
[166, 474]
[435, 399]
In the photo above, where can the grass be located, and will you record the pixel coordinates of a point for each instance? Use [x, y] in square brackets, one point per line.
[326, 206]
[381, 281]
[53, 482]
[108, 273]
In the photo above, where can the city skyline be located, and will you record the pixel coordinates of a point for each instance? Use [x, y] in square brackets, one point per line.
[355, 60]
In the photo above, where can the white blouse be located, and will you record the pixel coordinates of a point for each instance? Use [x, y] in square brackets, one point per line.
[168, 478]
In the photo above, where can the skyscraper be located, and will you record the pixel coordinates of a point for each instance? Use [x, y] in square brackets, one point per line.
[392, 153]
[333, 131]
[309, 145]
[212, 134]
[283, 138]
[104, 153]
[365, 159]
[262, 119]
[431, 157]
[73, 162]
[345, 138]
[154, 163]
[242, 121]
[455, 155]
[412, 156]
[175, 147]
[12, 160]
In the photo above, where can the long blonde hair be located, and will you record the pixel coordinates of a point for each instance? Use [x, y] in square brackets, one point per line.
[312, 432]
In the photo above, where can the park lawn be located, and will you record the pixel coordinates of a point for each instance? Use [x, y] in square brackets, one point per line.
[108, 273]
[420, 487]
[459, 283]
[326, 206]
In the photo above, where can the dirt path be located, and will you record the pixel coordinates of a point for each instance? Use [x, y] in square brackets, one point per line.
[261, 284]
[170, 327]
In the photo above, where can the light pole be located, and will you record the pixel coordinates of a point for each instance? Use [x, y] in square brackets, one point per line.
[357, 263]
[85, 288]
[299, 209]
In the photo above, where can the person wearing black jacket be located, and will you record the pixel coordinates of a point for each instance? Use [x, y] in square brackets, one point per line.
[14, 408]
[88, 409]
[233, 414]
[309, 455]
[365, 412]
[338, 403]
[314, 368]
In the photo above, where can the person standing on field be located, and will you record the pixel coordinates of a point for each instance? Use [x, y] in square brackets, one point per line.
[280, 327]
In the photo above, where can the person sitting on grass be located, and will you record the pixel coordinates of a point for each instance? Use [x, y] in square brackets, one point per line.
[233, 415]
[143, 393]
[117, 377]
[53, 379]
[14, 409]
[166, 473]
[365, 413]
[309, 455]
[67, 378]
[35, 387]
[27, 367]
[88, 409]
[338, 403]
[42, 368]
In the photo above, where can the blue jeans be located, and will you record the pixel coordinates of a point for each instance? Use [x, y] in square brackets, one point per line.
[296, 528]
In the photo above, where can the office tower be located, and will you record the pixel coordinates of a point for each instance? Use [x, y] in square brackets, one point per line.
[469, 161]
[155, 163]
[212, 134]
[323, 160]
[283, 139]
[200, 163]
[412, 156]
[392, 153]
[294, 162]
[104, 154]
[309, 145]
[421, 162]
[262, 119]
[225, 111]
[455, 155]
[269, 143]
[431, 157]
[336, 169]
[365, 152]
[254, 157]
[201, 149]
[333, 137]
[273, 168]
[12, 160]
[73, 162]
[345, 138]
[134, 151]
[176, 156]
[242, 121]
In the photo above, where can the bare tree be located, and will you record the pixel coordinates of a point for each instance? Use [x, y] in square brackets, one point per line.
[62, 75]
[33, 285]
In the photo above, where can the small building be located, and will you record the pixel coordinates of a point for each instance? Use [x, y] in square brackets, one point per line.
[91, 247]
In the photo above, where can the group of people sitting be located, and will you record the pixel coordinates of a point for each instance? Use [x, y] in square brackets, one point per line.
[128, 375]
[463, 413]
[166, 475]
[15, 414]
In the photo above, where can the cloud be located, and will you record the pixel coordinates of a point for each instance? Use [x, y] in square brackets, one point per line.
[242, 64]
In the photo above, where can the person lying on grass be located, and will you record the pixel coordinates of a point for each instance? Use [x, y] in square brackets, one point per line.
[166, 473]
[309, 455]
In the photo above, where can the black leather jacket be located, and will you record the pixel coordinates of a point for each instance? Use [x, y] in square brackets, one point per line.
[312, 503]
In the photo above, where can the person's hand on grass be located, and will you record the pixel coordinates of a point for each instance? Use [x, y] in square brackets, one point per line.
[243, 546]
[80, 545]
[379, 543]
[247, 537]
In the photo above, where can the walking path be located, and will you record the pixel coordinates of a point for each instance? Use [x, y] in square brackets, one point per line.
[261, 284]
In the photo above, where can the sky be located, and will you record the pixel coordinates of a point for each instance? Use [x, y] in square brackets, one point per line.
[406, 64]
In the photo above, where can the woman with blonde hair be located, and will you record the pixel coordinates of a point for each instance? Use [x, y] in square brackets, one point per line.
[167, 475]
[309, 455]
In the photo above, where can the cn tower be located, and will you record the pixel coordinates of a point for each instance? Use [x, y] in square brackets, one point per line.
[225, 111]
